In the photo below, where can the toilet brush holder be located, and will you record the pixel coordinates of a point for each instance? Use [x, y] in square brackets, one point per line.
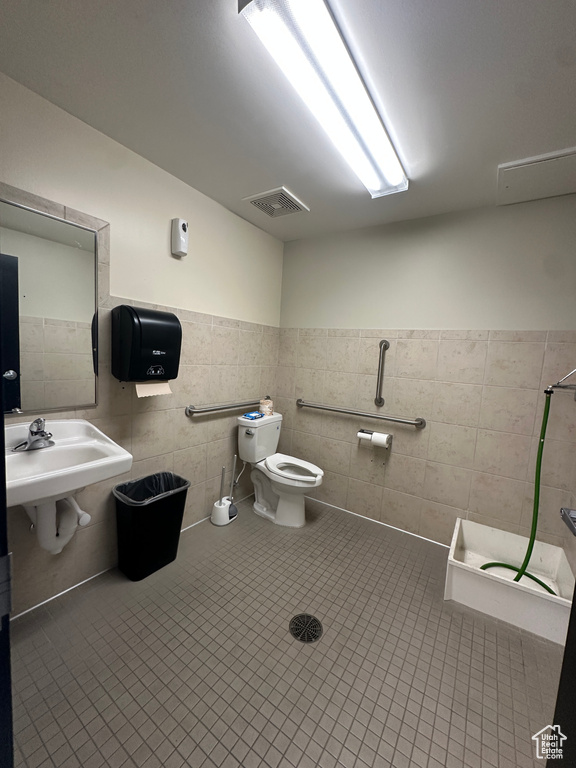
[233, 509]
[221, 512]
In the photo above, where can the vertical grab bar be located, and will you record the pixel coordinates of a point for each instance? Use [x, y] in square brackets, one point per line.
[379, 400]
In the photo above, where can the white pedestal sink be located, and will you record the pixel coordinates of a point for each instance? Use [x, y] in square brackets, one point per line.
[81, 455]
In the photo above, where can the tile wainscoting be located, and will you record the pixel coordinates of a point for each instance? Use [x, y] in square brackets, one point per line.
[51, 377]
[222, 360]
[481, 393]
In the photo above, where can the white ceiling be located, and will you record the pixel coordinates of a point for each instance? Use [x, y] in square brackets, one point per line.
[463, 85]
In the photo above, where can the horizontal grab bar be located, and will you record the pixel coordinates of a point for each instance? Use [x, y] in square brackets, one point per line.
[192, 409]
[418, 423]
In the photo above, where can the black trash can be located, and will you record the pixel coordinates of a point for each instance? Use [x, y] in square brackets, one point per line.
[149, 515]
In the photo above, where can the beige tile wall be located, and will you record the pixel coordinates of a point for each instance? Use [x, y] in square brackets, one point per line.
[481, 393]
[222, 360]
[56, 363]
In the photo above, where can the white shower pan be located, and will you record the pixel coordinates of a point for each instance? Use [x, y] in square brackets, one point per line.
[524, 604]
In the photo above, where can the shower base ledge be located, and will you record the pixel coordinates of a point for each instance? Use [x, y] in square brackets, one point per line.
[525, 604]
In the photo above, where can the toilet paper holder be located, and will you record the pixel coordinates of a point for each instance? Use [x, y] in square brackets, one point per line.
[377, 439]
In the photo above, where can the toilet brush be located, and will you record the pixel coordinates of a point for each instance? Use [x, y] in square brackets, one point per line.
[220, 510]
[222, 481]
[233, 510]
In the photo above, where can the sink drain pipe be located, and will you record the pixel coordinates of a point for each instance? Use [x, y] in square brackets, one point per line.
[56, 522]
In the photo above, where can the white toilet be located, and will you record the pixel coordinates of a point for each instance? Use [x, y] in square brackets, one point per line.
[280, 482]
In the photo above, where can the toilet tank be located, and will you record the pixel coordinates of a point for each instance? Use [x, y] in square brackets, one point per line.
[258, 438]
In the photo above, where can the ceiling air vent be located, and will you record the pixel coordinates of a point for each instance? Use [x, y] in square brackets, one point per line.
[277, 202]
[537, 177]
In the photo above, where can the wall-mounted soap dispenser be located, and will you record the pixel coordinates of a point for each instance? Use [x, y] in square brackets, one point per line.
[145, 344]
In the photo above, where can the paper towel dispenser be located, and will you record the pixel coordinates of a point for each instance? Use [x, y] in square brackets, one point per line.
[145, 344]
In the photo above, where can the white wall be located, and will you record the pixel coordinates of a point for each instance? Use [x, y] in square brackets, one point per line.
[497, 268]
[43, 268]
[47, 152]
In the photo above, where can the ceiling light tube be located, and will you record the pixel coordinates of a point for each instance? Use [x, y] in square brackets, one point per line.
[302, 38]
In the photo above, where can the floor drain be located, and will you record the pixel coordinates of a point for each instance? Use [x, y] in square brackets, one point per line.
[305, 628]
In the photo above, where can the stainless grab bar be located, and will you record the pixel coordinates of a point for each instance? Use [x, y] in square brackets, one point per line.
[192, 409]
[379, 400]
[418, 423]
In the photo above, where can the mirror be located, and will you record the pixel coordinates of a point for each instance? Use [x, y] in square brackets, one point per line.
[48, 274]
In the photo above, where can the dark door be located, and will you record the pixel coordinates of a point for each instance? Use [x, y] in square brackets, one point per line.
[6, 738]
[10, 369]
[566, 701]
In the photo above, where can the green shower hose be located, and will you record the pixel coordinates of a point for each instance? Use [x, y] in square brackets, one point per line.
[522, 570]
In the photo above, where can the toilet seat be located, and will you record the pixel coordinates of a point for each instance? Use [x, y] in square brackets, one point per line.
[291, 468]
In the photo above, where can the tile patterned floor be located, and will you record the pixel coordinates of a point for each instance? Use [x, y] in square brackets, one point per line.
[194, 666]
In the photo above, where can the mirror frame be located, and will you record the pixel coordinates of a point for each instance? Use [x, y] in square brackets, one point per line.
[41, 205]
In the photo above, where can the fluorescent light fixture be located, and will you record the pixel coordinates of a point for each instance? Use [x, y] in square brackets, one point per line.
[302, 38]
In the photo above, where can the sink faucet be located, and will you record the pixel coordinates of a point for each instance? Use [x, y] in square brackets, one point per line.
[37, 437]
